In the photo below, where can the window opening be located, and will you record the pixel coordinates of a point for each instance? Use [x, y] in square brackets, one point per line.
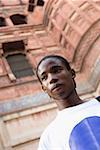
[31, 5]
[19, 65]
[40, 2]
[18, 19]
[2, 22]
[17, 60]
[13, 46]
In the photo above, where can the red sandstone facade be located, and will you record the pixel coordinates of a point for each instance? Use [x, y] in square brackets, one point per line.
[70, 28]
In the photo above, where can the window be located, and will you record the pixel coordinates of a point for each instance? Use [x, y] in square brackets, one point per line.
[13, 46]
[40, 2]
[31, 5]
[31, 1]
[19, 65]
[17, 60]
[18, 19]
[2, 22]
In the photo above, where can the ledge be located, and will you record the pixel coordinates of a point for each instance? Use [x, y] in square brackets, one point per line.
[23, 103]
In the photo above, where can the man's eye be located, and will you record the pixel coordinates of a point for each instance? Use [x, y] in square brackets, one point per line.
[57, 70]
[44, 77]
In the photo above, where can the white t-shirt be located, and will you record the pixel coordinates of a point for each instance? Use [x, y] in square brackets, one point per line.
[73, 128]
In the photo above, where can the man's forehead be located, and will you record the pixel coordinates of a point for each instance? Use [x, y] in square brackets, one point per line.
[49, 62]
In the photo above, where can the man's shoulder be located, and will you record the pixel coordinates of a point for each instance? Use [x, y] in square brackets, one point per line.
[46, 136]
[49, 128]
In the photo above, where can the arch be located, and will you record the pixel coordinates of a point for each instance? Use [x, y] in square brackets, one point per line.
[88, 79]
[85, 43]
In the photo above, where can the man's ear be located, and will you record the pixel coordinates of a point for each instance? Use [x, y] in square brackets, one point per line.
[73, 73]
[43, 88]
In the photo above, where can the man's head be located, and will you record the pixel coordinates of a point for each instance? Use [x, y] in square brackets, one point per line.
[56, 76]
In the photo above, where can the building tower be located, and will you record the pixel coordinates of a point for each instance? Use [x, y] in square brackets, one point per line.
[29, 30]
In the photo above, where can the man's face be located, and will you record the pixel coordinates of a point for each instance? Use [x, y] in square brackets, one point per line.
[56, 80]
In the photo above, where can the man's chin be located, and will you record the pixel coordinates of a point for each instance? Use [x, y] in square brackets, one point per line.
[61, 96]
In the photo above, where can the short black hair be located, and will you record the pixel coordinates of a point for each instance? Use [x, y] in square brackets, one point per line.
[62, 59]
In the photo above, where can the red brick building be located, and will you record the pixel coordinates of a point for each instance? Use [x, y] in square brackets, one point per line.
[29, 30]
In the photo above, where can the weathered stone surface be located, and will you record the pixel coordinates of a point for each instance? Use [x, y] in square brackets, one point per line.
[70, 28]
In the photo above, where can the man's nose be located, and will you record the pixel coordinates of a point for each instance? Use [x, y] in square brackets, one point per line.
[52, 78]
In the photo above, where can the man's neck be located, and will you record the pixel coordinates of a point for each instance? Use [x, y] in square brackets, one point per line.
[72, 100]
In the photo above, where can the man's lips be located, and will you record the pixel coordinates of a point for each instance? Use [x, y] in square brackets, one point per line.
[57, 87]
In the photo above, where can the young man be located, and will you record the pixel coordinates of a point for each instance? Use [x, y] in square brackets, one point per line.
[77, 125]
